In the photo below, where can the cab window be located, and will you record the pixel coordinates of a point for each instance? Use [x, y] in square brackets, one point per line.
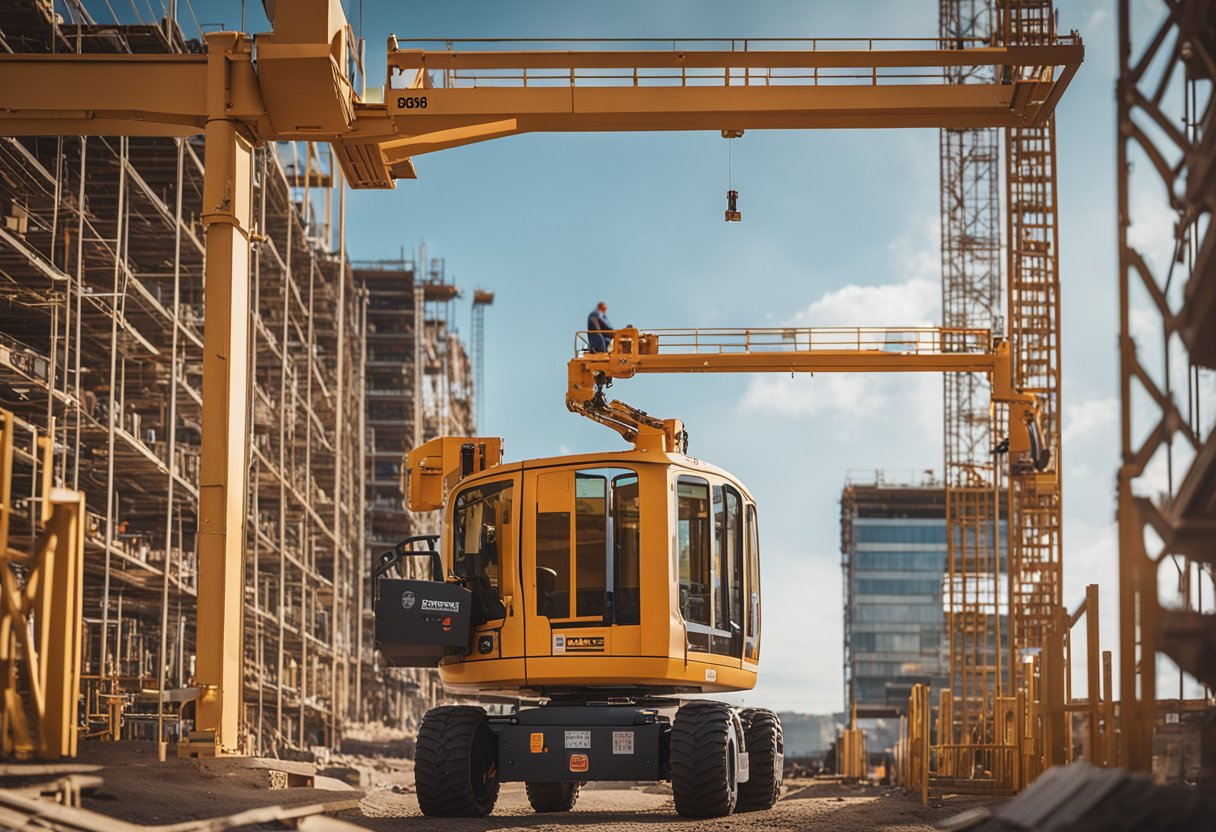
[590, 543]
[694, 540]
[587, 546]
[751, 643]
[483, 542]
[626, 549]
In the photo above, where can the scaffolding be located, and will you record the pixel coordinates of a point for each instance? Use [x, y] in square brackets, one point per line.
[101, 308]
[409, 345]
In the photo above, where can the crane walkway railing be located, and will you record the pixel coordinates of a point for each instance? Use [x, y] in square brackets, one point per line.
[558, 62]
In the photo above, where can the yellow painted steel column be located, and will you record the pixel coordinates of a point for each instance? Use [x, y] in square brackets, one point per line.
[60, 601]
[227, 210]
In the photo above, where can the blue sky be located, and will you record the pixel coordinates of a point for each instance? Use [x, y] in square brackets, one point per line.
[838, 228]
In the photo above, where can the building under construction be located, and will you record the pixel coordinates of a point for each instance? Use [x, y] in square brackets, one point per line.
[101, 270]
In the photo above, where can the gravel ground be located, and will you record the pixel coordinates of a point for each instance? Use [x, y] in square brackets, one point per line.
[805, 804]
[136, 787]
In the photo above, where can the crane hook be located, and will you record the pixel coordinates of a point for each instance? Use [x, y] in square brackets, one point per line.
[732, 206]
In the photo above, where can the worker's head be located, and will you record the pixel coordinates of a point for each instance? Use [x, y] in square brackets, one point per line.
[603, 307]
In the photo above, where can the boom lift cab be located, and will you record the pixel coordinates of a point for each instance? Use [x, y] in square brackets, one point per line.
[601, 586]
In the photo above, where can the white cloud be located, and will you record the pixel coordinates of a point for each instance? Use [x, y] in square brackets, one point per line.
[1152, 229]
[853, 398]
[1090, 418]
[1098, 17]
[915, 302]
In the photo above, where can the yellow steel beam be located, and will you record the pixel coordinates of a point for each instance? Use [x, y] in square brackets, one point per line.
[613, 109]
[129, 95]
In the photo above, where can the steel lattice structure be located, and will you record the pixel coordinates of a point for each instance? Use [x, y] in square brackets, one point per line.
[1035, 560]
[1167, 151]
[477, 342]
[971, 297]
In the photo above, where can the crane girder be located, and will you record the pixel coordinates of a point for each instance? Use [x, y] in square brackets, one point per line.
[297, 83]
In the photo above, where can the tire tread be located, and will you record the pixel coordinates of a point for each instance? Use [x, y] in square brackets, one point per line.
[441, 763]
[764, 741]
[699, 768]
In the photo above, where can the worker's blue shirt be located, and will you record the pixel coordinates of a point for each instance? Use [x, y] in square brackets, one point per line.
[597, 322]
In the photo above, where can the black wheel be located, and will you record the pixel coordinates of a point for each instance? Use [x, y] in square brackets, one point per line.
[552, 797]
[703, 743]
[766, 754]
[456, 763]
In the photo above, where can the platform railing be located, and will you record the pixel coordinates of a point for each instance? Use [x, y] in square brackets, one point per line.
[720, 341]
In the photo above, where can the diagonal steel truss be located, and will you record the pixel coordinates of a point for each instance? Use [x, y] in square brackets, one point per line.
[1166, 485]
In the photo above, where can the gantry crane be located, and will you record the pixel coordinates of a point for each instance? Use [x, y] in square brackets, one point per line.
[304, 81]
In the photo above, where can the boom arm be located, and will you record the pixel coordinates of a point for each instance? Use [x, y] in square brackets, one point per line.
[791, 350]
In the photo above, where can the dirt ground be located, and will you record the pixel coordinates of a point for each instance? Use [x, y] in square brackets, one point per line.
[389, 803]
[805, 804]
[378, 779]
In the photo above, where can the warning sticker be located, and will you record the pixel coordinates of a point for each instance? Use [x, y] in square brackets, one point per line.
[537, 742]
[559, 643]
[622, 742]
[579, 762]
[578, 739]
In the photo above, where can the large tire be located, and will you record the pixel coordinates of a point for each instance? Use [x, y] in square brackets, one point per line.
[703, 742]
[456, 763]
[552, 797]
[765, 754]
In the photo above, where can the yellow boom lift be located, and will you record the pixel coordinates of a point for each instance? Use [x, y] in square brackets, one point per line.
[604, 586]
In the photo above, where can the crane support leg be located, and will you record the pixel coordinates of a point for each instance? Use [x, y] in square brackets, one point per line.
[227, 205]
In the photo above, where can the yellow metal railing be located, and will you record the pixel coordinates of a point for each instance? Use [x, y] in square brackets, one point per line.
[654, 62]
[926, 340]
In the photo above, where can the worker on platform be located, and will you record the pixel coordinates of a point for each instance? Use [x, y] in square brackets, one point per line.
[597, 325]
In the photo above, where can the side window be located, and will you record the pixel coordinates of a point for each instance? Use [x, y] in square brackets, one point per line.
[727, 573]
[484, 541]
[626, 549]
[694, 547]
[553, 563]
[590, 543]
[720, 570]
[751, 648]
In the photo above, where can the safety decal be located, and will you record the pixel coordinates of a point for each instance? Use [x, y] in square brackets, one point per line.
[579, 762]
[536, 742]
[622, 742]
[578, 739]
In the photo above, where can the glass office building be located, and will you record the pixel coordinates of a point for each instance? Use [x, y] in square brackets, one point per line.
[893, 546]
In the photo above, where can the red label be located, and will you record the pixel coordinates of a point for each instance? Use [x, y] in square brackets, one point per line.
[579, 762]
